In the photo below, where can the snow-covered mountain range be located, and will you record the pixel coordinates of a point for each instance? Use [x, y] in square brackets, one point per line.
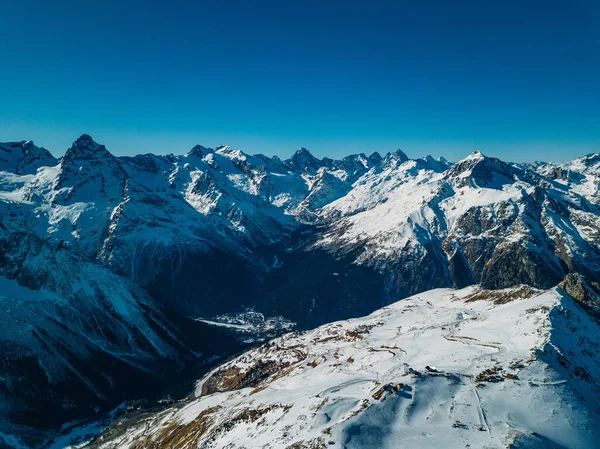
[117, 268]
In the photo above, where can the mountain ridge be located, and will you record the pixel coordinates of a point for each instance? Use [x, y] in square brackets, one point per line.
[217, 232]
[248, 205]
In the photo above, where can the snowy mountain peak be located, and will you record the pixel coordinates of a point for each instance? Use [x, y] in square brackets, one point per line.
[90, 171]
[475, 155]
[198, 151]
[397, 156]
[23, 157]
[85, 148]
[482, 171]
[303, 152]
[85, 138]
[303, 159]
[589, 160]
[375, 158]
[224, 148]
[438, 165]
[231, 153]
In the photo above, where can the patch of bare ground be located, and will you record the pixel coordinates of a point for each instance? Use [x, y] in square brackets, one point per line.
[283, 373]
[247, 416]
[347, 336]
[361, 408]
[499, 297]
[180, 436]
[259, 374]
[315, 443]
[382, 350]
[223, 380]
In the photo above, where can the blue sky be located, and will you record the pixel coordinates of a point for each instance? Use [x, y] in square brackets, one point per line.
[517, 79]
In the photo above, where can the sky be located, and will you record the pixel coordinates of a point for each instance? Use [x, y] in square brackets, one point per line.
[519, 80]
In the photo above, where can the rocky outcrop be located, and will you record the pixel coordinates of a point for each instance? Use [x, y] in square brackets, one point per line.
[586, 292]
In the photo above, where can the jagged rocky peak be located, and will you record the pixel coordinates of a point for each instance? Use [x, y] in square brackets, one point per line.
[303, 159]
[86, 160]
[198, 151]
[226, 149]
[31, 151]
[585, 291]
[85, 148]
[375, 158]
[394, 158]
[472, 160]
[354, 163]
[476, 155]
[577, 170]
[149, 162]
[235, 155]
[439, 165]
[560, 172]
[397, 156]
[590, 160]
[483, 171]
[24, 157]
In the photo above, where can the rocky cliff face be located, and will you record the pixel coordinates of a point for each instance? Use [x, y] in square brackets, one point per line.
[586, 292]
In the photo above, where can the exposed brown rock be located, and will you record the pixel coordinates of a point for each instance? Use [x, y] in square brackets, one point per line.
[503, 296]
[180, 436]
[584, 291]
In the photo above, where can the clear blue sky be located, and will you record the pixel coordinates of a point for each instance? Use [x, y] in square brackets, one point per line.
[516, 79]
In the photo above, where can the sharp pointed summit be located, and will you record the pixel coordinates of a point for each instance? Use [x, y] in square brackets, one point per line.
[398, 157]
[483, 171]
[375, 158]
[85, 148]
[303, 159]
[198, 151]
[87, 162]
[476, 155]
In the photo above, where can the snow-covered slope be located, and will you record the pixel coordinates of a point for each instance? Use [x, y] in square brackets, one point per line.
[24, 157]
[76, 339]
[581, 175]
[480, 221]
[468, 368]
